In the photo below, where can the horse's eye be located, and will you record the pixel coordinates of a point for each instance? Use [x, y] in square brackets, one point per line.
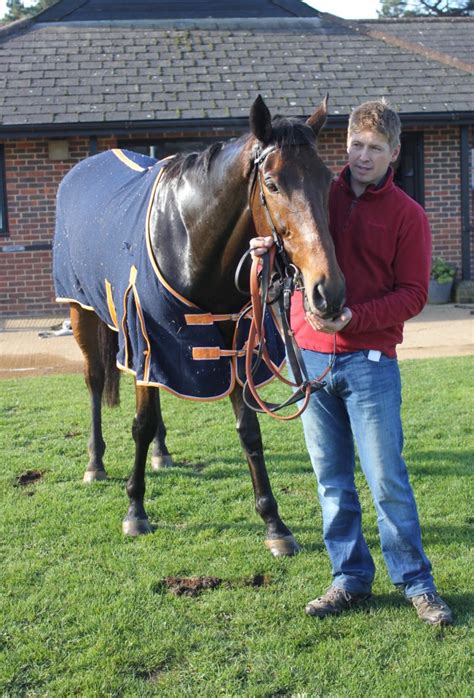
[271, 186]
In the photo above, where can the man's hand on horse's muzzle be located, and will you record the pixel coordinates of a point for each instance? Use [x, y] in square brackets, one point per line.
[330, 326]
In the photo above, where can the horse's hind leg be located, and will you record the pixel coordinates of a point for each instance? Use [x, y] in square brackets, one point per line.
[85, 327]
[143, 430]
[280, 540]
[160, 457]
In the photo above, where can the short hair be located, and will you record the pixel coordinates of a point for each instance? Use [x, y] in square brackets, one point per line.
[376, 116]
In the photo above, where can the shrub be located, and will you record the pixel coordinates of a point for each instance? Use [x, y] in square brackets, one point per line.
[441, 271]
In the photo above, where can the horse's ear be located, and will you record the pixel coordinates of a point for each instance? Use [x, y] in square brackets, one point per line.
[318, 119]
[261, 121]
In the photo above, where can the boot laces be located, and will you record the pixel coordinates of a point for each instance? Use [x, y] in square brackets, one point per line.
[430, 599]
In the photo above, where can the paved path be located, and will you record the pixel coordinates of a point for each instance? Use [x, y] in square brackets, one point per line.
[440, 330]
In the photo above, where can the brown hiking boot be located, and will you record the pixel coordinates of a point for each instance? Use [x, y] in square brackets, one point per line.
[432, 609]
[334, 601]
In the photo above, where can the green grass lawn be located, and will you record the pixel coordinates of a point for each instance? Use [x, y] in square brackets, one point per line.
[84, 611]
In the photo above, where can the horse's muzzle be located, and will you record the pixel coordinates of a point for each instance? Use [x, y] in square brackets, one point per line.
[327, 300]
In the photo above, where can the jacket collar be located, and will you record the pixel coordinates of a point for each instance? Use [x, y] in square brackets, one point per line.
[381, 189]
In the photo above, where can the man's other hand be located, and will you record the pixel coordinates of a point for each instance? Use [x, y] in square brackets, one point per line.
[260, 246]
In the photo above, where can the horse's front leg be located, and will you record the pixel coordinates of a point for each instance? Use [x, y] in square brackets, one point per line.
[143, 431]
[279, 539]
[160, 457]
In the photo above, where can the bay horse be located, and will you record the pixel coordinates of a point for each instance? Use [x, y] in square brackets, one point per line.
[199, 214]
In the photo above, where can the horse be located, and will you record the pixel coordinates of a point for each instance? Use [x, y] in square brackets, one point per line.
[198, 217]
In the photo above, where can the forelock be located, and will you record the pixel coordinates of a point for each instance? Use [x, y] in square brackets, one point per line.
[291, 132]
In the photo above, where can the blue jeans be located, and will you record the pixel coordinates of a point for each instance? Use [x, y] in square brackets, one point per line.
[361, 402]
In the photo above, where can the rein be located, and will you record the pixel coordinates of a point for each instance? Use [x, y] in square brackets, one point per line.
[269, 273]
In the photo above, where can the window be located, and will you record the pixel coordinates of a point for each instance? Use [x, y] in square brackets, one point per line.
[409, 171]
[3, 194]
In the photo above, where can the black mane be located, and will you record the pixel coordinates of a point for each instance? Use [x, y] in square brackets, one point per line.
[286, 132]
[200, 162]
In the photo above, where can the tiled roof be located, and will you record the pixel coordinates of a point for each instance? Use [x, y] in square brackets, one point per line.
[453, 36]
[156, 71]
[95, 10]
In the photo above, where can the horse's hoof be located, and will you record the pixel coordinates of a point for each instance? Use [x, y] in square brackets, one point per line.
[94, 475]
[160, 462]
[285, 546]
[136, 527]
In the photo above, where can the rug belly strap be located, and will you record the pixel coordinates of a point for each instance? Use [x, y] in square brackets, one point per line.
[209, 318]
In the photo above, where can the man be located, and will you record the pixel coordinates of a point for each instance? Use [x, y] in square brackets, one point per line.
[383, 246]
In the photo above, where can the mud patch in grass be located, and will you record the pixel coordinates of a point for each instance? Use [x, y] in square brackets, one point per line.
[29, 477]
[187, 586]
[259, 580]
[193, 586]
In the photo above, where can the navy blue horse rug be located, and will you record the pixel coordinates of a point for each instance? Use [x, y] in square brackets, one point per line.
[103, 260]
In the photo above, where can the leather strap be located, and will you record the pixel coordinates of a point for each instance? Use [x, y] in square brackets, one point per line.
[259, 286]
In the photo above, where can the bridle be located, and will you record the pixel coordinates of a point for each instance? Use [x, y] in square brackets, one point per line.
[274, 275]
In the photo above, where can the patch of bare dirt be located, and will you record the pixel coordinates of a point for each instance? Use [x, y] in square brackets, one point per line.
[15, 366]
[189, 586]
[193, 586]
[72, 434]
[29, 477]
[259, 580]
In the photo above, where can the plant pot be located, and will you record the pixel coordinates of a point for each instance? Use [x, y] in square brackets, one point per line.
[439, 293]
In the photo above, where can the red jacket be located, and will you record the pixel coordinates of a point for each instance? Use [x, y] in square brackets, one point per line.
[383, 246]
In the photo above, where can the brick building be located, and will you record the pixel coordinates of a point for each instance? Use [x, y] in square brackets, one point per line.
[84, 76]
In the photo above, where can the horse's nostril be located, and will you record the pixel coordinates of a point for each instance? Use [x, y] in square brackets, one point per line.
[325, 299]
[319, 298]
[322, 304]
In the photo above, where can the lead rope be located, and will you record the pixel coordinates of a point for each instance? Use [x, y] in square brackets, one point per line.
[257, 349]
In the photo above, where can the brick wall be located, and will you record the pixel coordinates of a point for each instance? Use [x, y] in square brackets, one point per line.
[32, 180]
[471, 197]
[442, 186]
[332, 148]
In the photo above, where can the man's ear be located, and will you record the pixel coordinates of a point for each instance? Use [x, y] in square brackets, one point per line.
[318, 119]
[261, 121]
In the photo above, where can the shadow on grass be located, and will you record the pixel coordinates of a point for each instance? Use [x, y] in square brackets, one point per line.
[77, 480]
[436, 534]
[199, 467]
[424, 463]
[462, 605]
[441, 463]
[239, 528]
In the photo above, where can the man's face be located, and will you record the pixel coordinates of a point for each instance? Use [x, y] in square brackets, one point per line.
[370, 155]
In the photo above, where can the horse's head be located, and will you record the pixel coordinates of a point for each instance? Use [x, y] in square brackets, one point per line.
[294, 183]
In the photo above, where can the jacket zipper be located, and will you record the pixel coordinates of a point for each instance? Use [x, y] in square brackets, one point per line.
[348, 217]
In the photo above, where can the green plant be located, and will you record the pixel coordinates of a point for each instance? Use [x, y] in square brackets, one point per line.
[441, 271]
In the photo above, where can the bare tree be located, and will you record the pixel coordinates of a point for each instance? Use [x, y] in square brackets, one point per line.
[433, 8]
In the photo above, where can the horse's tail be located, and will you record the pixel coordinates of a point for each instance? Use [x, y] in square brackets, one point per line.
[108, 343]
